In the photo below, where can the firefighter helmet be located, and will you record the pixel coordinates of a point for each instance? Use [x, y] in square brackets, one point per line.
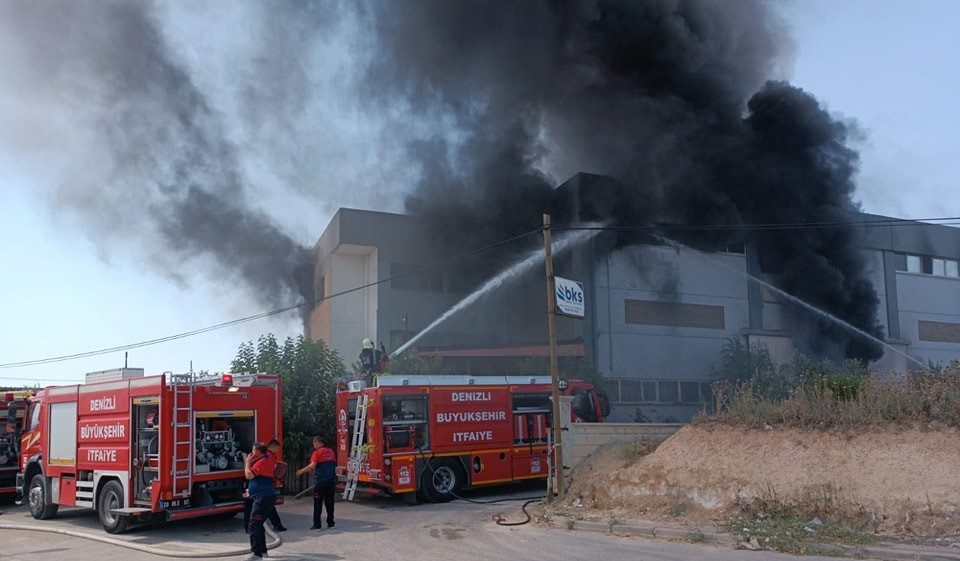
[367, 343]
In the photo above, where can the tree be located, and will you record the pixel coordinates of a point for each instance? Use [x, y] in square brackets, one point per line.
[308, 370]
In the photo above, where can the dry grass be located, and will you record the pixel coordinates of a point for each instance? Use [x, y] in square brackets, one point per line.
[770, 522]
[846, 402]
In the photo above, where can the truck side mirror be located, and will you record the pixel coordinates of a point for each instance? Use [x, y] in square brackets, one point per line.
[12, 413]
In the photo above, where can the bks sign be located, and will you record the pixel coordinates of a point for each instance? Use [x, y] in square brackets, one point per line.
[570, 300]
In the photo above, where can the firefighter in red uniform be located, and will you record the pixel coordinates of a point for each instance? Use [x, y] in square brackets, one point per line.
[259, 467]
[323, 464]
[273, 448]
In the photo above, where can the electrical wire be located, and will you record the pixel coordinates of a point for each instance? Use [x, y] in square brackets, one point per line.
[34, 379]
[277, 311]
[943, 221]
[893, 222]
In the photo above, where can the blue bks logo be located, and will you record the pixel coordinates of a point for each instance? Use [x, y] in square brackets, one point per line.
[565, 293]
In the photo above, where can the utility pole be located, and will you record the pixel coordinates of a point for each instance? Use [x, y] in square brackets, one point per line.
[554, 370]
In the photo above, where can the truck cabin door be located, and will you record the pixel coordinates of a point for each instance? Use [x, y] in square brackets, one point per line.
[584, 406]
[31, 423]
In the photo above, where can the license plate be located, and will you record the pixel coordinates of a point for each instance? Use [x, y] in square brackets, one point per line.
[178, 503]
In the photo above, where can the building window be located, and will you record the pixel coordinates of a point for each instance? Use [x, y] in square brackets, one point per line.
[630, 391]
[673, 314]
[612, 389]
[936, 266]
[649, 392]
[939, 267]
[668, 391]
[939, 332]
[321, 289]
[738, 248]
[913, 264]
[633, 391]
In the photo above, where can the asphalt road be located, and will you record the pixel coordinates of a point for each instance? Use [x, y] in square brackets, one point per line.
[368, 530]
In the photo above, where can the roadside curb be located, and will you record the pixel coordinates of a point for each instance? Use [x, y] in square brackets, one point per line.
[276, 542]
[693, 535]
[890, 552]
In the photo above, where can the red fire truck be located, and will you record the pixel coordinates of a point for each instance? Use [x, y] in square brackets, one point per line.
[141, 448]
[430, 436]
[13, 406]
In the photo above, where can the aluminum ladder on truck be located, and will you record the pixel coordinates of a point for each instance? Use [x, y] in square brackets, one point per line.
[181, 470]
[357, 450]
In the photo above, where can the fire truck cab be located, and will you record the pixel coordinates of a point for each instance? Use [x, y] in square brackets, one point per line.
[13, 407]
[139, 448]
[431, 436]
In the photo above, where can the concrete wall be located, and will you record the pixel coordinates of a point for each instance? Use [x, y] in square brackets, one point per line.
[583, 439]
[653, 273]
[352, 316]
[928, 298]
[630, 351]
[580, 440]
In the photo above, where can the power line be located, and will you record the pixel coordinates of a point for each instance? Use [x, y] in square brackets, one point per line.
[943, 221]
[38, 379]
[898, 222]
[261, 315]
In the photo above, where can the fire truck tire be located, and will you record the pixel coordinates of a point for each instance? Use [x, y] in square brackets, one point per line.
[111, 497]
[442, 481]
[40, 507]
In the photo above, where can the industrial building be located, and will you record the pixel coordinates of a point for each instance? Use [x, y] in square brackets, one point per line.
[656, 316]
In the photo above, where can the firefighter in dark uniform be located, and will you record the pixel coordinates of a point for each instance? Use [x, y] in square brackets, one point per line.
[372, 360]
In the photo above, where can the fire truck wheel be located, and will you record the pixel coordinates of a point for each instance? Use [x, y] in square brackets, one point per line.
[37, 499]
[442, 480]
[111, 498]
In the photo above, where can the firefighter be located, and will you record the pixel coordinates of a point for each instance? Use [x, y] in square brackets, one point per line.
[369, 361]
[273, 448]
[323, 464]
[259, 467]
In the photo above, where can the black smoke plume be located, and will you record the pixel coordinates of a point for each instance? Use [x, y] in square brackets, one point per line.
[673, 99]
[151, 162]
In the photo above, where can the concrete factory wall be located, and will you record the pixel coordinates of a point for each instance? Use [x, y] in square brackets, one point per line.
[927, 301]
[662, 316]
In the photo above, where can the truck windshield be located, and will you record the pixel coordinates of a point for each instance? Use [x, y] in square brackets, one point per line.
[583, 405]
[32, 418]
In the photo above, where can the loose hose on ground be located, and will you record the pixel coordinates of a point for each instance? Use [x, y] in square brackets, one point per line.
[276, 541]
[498, 518]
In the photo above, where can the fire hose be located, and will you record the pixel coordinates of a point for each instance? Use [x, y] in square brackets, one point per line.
[276, 542]
[498, 518]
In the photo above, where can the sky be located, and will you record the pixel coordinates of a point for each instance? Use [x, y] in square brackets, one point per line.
[890, 66]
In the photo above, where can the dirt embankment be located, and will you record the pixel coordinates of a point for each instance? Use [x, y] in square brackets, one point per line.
[896, 481]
